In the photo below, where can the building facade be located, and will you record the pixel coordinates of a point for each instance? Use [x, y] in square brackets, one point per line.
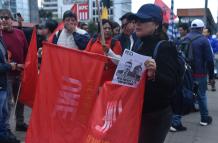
[93, 12]
[188, 15]
[52, 6]
[120, 8]
[58, 7]
[27, 8]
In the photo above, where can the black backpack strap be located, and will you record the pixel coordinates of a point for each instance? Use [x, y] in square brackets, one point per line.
[58, 34]
[156, 48]
[195, 38]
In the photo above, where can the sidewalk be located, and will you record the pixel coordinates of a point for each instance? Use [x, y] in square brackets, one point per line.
[195, 132]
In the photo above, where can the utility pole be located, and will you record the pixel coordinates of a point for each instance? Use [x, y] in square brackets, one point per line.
[205, 12]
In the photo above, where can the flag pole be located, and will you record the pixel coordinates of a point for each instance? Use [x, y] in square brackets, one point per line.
[16, 101]
[101, 26]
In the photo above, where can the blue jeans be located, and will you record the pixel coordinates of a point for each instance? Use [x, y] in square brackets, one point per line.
[4, 112]
[202, 97]
[176, 120]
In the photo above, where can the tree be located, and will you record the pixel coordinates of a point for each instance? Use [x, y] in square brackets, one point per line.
[92, 27]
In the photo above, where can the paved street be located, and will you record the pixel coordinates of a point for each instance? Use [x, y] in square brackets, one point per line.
[195, 132]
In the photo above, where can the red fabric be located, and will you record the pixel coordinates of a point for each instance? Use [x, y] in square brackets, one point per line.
[166, 10]
[110, 67]
[116, 116]
[30, 75]
[61, 25]
[67, 88]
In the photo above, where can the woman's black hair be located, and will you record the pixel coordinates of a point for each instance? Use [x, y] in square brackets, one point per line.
[51, 25]
[104, 21]
[115, 25]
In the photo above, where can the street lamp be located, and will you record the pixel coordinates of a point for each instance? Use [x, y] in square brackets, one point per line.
[205, 12]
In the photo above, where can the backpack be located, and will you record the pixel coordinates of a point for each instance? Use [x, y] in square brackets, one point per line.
[186, 49]
[187, 90]
[179, 58]
[183, 99]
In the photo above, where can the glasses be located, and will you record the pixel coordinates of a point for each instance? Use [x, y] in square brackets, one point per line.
[4, 17]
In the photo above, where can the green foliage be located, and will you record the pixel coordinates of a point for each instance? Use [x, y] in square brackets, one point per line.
[45, 14]
[93, 28]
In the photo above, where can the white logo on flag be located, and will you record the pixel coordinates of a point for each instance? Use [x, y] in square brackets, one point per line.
[112, 111]
[68, 100]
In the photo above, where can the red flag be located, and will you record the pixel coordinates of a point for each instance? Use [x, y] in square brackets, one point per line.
[166, 10]
[30, 75]
[117, 115]
[74, 9]
[67, 88]
[60, 27]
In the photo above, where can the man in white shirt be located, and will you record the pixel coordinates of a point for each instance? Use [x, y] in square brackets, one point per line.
[71, 36]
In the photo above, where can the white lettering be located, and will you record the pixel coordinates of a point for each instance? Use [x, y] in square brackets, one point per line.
[68, 99]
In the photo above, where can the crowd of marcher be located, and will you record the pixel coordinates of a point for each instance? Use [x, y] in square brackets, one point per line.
[142, 33]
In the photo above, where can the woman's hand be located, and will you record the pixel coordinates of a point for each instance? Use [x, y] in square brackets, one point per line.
[105, 48]
[151, 67]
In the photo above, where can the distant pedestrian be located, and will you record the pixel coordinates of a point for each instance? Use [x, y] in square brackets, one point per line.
[202, 65]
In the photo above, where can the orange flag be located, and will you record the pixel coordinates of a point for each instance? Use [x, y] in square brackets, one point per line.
[74, 9]
[30, 75]
[67, 89]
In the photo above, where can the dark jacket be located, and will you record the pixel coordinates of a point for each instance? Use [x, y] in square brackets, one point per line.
[202, 56]
[214, 44]
[4, 67]
[81, 40]
[125, 41]
[159, 92]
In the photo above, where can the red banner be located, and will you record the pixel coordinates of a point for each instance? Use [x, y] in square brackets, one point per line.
[83, 11]
[117, 115]
[30, 75]
[166, 10]
[67, 89]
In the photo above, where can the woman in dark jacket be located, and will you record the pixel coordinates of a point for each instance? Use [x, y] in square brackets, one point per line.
[163, 75]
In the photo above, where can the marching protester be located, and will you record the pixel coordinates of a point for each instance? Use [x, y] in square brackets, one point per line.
[84, 26]
[202, 64]
[71, 36]
[162, 72]
[96, 46]
[214, 45]
[5, 133]
[115, 28]
[183, 30]
[17, 46]
[177, 102]
[127, 36]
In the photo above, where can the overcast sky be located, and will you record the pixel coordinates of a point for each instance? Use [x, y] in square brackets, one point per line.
[212, 4]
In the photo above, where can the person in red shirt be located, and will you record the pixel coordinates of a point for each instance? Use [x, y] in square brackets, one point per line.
[17, 46]
[95, 46]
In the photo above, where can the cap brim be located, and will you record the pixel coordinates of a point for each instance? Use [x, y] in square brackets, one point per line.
[141, 17]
